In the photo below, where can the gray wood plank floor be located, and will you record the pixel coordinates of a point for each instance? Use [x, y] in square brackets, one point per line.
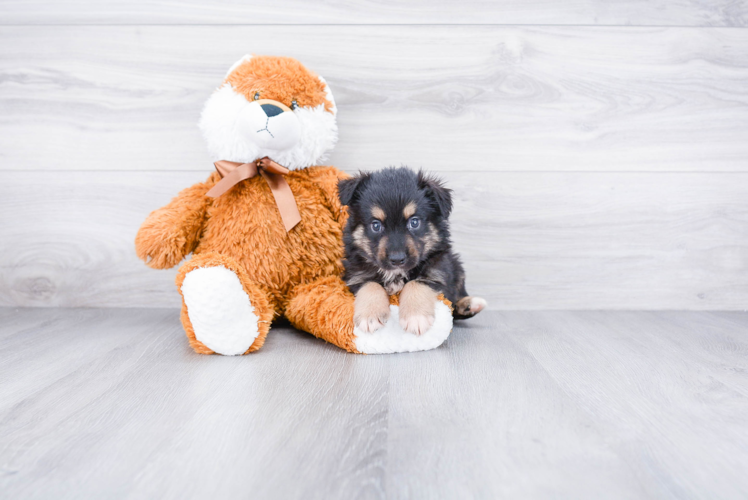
[111, 403]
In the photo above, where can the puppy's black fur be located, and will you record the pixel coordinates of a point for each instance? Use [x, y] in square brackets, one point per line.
[398, 231]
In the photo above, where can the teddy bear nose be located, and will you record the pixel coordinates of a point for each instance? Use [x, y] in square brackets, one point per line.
[271, 109]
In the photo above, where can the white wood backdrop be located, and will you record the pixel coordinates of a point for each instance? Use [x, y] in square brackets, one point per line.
[599, 151]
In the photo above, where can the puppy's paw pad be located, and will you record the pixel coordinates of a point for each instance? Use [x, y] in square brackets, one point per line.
[417, 324]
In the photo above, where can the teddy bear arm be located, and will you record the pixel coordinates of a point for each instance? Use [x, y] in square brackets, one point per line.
[327, 178]
[324, 308]
[172, 232]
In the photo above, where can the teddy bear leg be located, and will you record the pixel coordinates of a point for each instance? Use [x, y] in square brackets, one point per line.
[324, 308]
[223, 311]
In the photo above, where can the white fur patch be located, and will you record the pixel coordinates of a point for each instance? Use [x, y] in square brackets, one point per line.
[477, 304]
[391, 338]
[238, 63]
[328, 93]
[392, 274]
[232, 128]
[219, 309]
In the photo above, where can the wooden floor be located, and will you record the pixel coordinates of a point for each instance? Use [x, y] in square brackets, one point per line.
[111, 403]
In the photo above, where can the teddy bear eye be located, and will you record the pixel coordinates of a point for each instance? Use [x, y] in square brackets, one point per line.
[376, 226]
[294, 104]
[414, 223]
[257, 96]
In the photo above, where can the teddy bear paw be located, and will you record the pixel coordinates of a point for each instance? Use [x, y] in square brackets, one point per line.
[219, 309]
[393, 337]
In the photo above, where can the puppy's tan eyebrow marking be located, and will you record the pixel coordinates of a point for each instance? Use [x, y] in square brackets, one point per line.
[378, 213]
[409, 210]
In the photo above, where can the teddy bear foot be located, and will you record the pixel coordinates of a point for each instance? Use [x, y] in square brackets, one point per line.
[219, 309]
[393, 338]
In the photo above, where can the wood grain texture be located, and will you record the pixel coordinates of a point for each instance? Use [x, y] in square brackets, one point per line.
[113, 404]
[529, 240]
[593, 12]
[107, 419]
[449, 98]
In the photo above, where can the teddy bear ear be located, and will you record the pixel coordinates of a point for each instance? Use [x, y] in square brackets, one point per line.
[349, 189]
[435, 191]
[238, 63]
[328, 94]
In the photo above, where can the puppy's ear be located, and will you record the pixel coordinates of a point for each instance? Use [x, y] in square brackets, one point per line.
[348, 189]
[436, 192]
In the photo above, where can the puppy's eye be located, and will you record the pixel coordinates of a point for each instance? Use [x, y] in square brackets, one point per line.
[257, 96]
[294, 104]
[414, 223]
[376, 226]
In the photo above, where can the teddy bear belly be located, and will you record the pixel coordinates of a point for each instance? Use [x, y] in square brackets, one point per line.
[248, 228]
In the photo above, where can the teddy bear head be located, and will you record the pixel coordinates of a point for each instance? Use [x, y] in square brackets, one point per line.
[270, 106]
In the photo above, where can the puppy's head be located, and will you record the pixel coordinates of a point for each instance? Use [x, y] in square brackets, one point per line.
[270, 106]
[397, 217]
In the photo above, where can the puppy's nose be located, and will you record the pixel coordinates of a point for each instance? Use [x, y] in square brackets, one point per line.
[271, 109]
[397, 258]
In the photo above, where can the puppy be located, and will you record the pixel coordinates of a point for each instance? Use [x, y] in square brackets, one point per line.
[397, 240]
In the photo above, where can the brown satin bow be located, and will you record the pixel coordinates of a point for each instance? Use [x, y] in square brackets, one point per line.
[233, 173]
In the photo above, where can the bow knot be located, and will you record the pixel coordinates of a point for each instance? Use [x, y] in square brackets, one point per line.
[233, 173]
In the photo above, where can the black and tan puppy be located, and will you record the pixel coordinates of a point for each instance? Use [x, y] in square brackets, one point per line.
[397, 240]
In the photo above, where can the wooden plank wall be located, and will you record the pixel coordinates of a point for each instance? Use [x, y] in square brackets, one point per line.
[599, 151]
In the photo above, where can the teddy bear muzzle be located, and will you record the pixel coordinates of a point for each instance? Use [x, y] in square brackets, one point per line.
[269, 124]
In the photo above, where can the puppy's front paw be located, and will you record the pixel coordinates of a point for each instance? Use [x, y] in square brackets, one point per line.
[373, 321]
[417, 307]
[416, 324]
[372, 308]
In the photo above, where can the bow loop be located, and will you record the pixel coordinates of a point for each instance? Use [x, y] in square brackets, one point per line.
[233, 173]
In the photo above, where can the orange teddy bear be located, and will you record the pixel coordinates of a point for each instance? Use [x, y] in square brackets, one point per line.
[265, 230]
